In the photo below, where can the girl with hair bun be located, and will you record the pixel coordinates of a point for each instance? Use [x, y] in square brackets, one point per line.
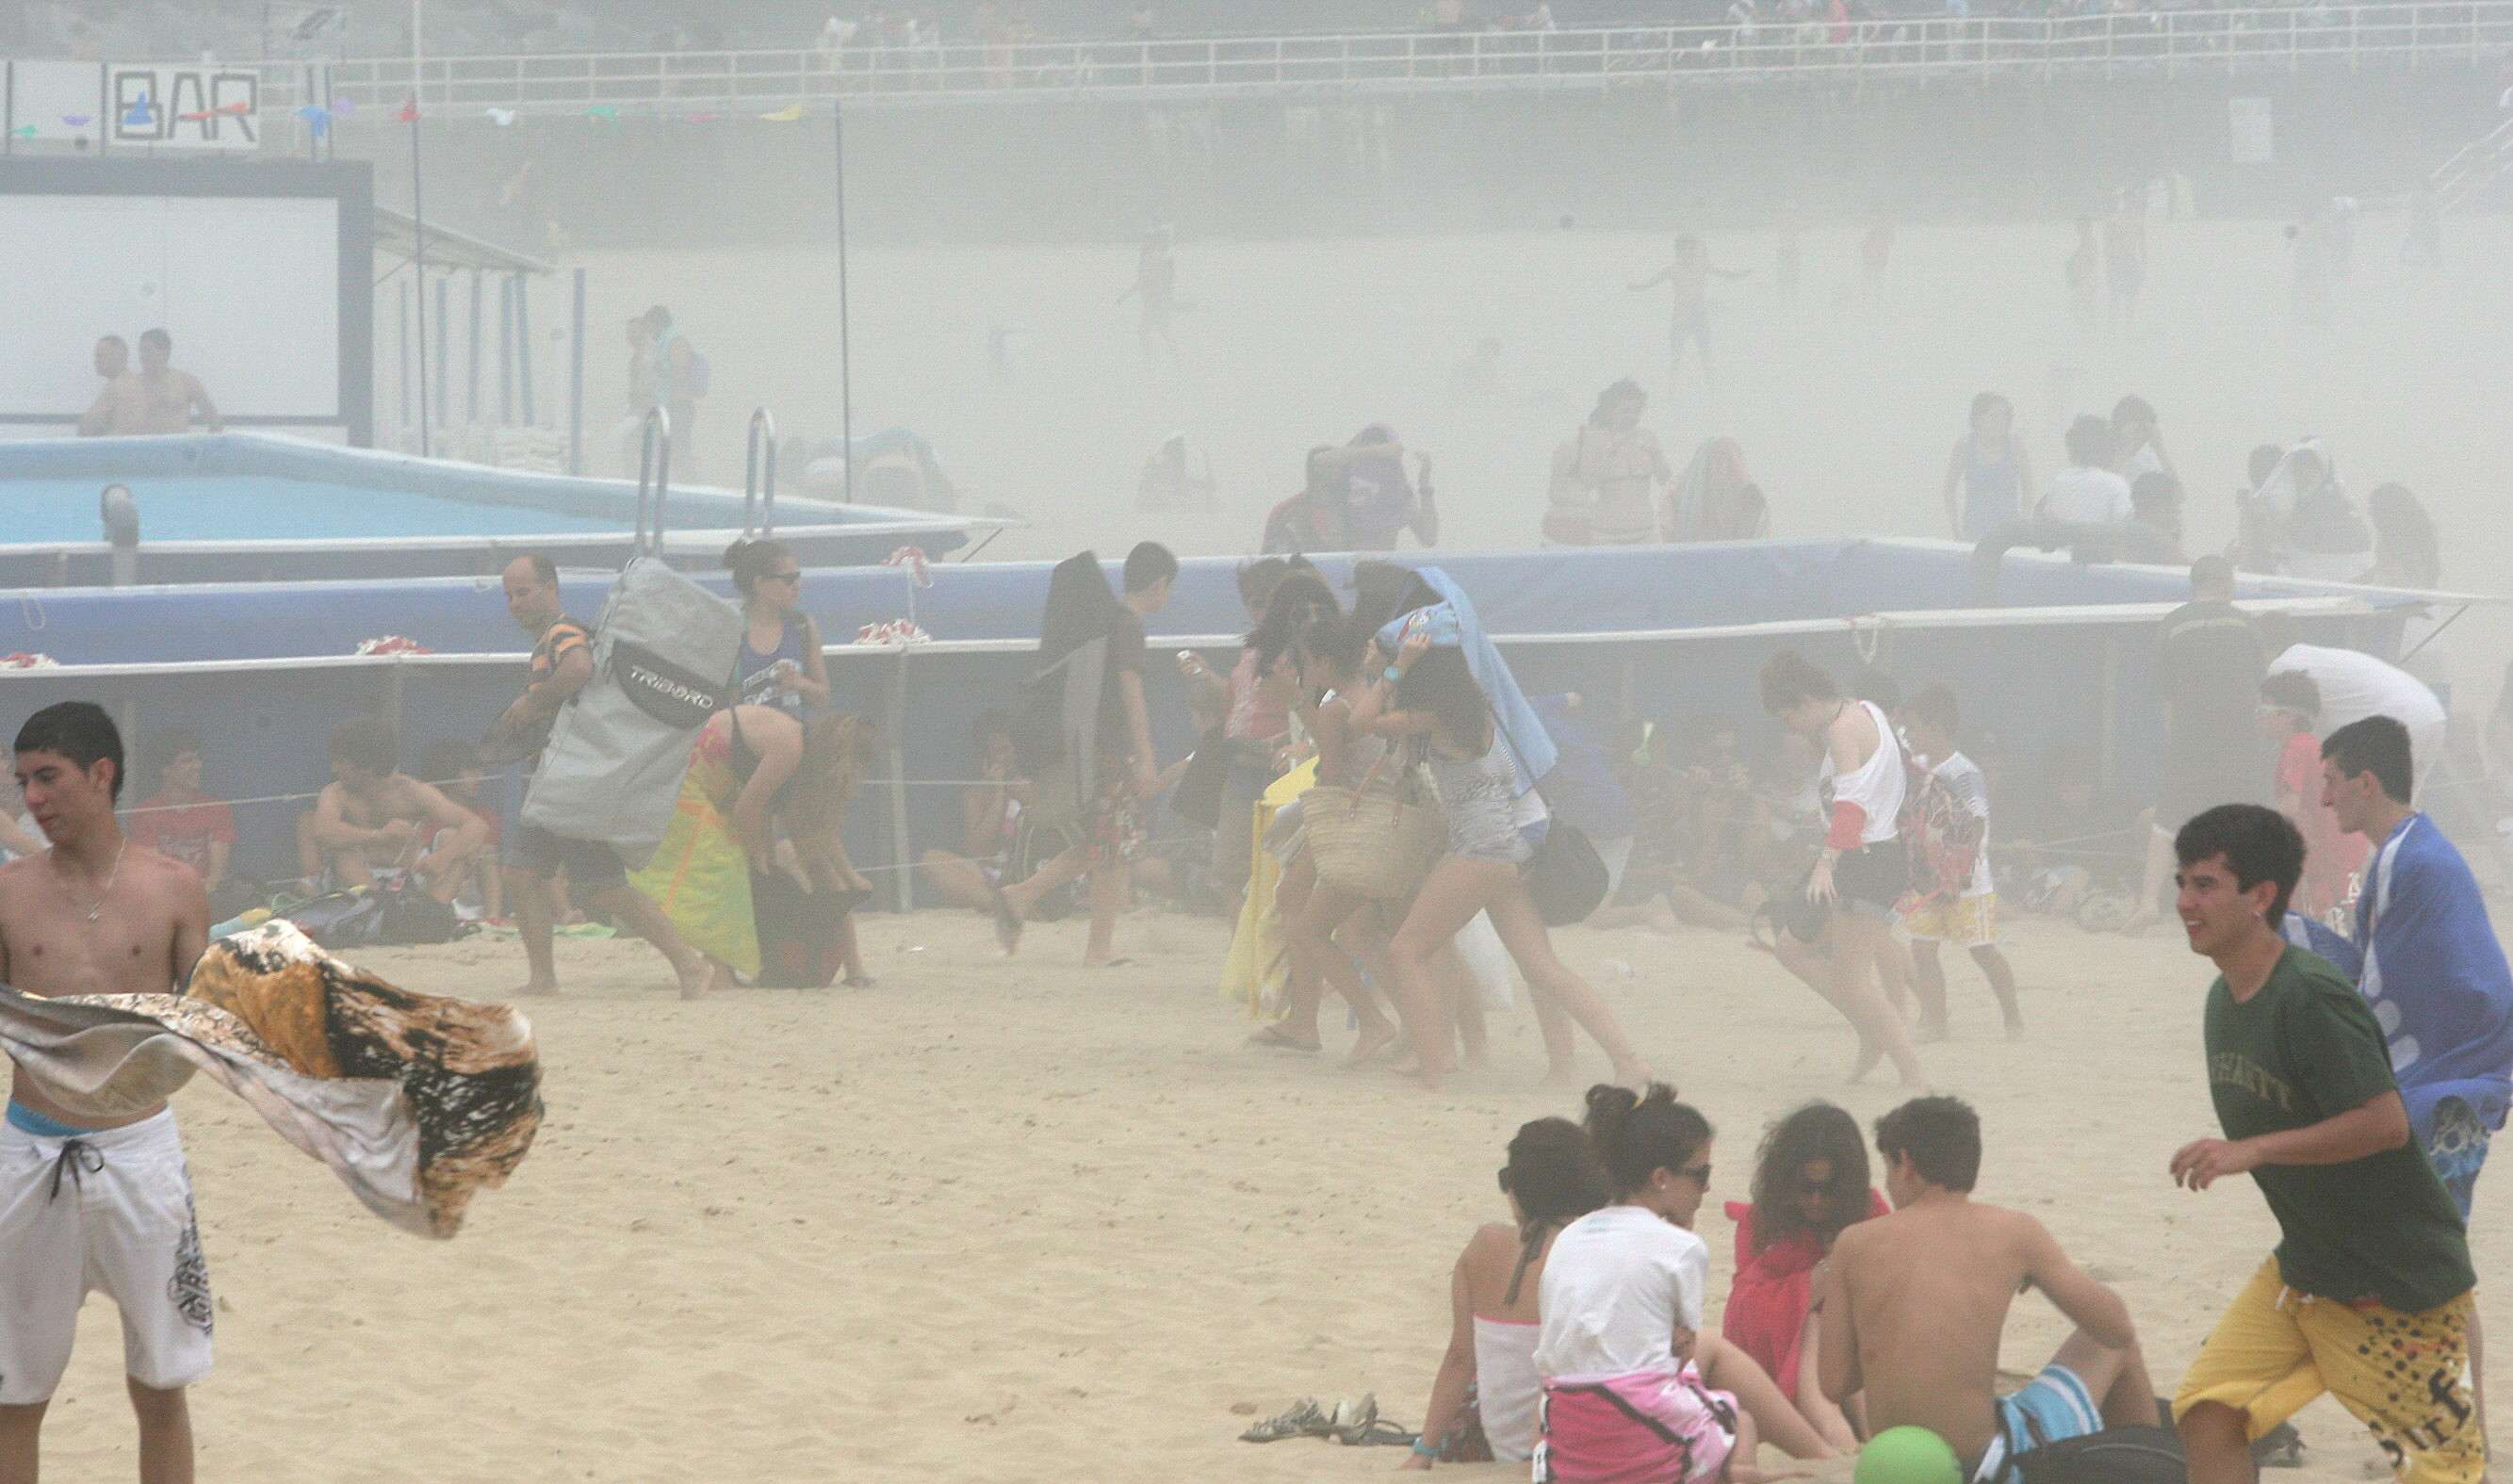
[780, 660]
[1483, 1402]
[1632, 1388]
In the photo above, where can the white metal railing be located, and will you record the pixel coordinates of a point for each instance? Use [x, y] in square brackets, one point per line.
[2266, 39]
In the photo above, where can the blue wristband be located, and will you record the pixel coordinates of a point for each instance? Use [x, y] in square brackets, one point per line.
[1391, 674]
[1426, 1448]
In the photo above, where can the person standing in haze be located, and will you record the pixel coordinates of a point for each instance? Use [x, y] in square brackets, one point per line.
[561, 665]
[116, 409]
[1605, 477]
[90, 1199]
[2210, 660]
[169, 399]
[1155, 285]
[1689, 323]
[1987, 473]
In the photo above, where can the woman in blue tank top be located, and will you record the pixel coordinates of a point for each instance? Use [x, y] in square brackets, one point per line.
[1987, 472]
[780, 664]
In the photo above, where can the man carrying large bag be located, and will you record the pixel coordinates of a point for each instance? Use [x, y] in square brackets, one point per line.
[660, 661]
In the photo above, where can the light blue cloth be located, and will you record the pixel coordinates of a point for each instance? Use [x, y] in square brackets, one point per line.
[2436, 977]
[27, 1120]
[1452, 624]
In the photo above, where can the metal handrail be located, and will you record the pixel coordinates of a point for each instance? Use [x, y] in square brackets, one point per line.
[759, 473]
[737, 82]
[653, 476]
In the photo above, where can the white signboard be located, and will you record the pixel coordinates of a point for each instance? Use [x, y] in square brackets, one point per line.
[2254, 130]
[135, 106]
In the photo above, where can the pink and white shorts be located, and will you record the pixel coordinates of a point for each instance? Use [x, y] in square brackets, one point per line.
[1649, 1427]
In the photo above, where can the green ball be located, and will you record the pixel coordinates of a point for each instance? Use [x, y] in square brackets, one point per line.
[1907, 1456]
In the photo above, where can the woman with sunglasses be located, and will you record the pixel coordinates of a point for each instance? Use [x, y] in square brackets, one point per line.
[780, 663]
[1632, 1388]
[1809, 1185]
[1483, 1403]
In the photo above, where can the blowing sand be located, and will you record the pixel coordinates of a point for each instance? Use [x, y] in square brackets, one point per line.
[1034, 1222]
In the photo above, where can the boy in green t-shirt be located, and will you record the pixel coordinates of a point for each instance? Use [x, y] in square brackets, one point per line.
[2369, 1294]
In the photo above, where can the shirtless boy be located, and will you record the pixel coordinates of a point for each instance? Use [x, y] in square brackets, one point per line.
[86, 1198]
[169, 399]
[1914, 1304]
[372, 816]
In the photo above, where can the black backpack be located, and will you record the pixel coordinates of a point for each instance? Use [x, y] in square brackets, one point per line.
[2113, 1455]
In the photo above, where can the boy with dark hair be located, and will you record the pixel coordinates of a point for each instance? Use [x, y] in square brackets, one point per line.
[90, 915]
[181, 820]
[371, 812]
[2368, 1295]
[1151, 564]
[1914, 1306]
[1126, 773]
[2431, 966]
[1968, 918]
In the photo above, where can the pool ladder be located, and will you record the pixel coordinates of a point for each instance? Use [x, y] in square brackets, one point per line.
[654, 479]
[759, 475]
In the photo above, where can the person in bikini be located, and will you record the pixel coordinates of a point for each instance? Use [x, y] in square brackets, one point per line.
[1914, 1305]
[90, 1199]
[372, 817]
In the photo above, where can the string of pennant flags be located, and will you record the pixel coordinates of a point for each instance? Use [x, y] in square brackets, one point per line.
[141, 113]
[321, 118]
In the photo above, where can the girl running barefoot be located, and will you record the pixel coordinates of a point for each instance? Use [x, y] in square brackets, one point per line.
[1495, 819]
[1487, 1388]
[1632, 1388]
[1809, 1185]
[1836, 934]
[1329, 659]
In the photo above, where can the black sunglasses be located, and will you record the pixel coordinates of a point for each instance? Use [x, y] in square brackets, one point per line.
[1698, 1174]
[1504, 1178]
[782, 577]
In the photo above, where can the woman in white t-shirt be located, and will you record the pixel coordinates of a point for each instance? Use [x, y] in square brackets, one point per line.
[1632, 1388]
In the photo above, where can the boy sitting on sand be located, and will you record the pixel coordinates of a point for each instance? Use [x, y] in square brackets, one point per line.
[372, 817]
[1914, 1304]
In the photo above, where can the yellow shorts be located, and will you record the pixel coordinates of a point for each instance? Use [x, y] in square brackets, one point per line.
[1966, 922]
[2406, 1376]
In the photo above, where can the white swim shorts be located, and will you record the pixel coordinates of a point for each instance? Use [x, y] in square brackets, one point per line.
[108, 1211]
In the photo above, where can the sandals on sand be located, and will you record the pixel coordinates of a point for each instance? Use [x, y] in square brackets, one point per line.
[1303, 1418]
[1355, 1423]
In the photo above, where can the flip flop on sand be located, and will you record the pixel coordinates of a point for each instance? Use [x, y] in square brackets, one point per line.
[1280, 1039]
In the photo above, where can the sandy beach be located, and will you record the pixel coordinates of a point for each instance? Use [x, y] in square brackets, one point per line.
[1032, 1221]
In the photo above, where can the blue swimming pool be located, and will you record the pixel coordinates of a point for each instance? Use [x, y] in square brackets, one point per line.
[246, 508]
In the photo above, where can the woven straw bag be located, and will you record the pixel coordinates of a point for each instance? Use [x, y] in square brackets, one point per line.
[1371, 844]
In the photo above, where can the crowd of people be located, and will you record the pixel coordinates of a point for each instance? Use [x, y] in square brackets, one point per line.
[2357, 1079]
